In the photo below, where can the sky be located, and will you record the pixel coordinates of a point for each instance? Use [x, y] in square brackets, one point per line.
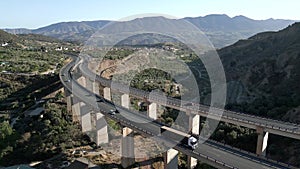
[38, 13]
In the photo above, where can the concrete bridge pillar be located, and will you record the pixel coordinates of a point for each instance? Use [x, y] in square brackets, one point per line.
[152, 111]
[82, 113]
[127, 142]
[101, 129]
[76, 104]
[194, 127]
[125, 101]
[127, 148]
[85, 114]
[82, 81]
[68, 97]
[92, 86]
[262, 141]
[106, 93]
[171, 159]
[96, 88]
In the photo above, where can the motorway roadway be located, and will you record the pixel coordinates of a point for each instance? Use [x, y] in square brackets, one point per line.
[250, 121]
[209, 152]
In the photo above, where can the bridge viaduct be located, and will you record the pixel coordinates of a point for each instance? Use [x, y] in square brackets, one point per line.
[82, 113]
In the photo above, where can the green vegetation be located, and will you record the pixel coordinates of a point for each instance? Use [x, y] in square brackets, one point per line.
[267, 66]
[151, 79]
[39, 138]
[32, 54]
[8, 137]
[29, 61]
[119, 53]
[22, 61]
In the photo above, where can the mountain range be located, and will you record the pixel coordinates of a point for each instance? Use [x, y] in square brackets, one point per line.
[264, 71]
[222, 30]
[263, 74]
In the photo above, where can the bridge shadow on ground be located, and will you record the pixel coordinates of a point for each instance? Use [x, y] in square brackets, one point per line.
[144, 163]
[39, 87]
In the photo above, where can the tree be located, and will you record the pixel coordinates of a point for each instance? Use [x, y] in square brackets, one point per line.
[7, 138]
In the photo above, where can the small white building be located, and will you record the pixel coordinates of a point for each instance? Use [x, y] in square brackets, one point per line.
[4, 44]
[59, 48]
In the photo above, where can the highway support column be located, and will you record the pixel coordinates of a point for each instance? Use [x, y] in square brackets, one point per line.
[262, 141]
[82, 81]
[101, 124]
[152, 111]
[127, 147]
[101, 129]
[86, 124]
[171, 159]
[92, 86]
[125, 101]
[75, 109]
[68, 97]
[194, 127]
[127, 142]
[106, 93]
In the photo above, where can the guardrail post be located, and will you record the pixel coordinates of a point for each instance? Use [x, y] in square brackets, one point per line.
[171, 159]
[127, 148]
[152, 111]
[262, 141]
[194, 127]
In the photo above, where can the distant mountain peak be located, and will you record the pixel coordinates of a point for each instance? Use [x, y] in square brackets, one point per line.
[221, 29]
[217, 15]
[241, 17]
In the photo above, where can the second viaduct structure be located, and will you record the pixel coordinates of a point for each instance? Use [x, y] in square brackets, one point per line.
[88, 85]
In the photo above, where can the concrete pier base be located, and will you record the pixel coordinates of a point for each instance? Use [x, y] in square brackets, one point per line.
[127, 148]
[152, 111]
[101, 129]
[76, 109]
[85, 115]
[171, 159]
[92, 86]
[82, 81]
[125, 101]
[68, 97]
[191, 162]
[262, 141]
[106, 93]
[194, 127]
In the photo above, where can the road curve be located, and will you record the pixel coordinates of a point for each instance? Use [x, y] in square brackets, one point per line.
[250, 121]
[212, 153]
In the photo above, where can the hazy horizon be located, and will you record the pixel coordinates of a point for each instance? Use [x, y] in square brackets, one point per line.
[131, 19]
[35, 14]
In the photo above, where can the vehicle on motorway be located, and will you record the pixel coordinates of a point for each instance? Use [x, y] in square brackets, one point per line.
[188, 104]
[185, 139]
[113, 111]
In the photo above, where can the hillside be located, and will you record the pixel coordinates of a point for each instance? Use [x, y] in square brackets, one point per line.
[6, 37]
[263, 73]
[31, 53]
[221, 29]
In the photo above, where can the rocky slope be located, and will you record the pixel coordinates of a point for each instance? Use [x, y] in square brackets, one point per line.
[266, 70]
